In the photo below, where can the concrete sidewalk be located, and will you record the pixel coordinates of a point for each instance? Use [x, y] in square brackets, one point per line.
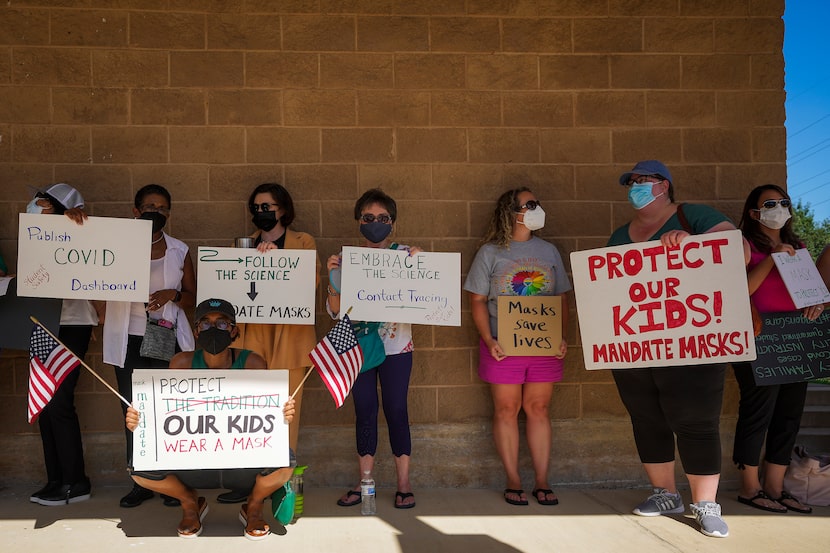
[444, 520]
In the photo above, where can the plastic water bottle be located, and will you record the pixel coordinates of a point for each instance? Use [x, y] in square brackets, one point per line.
[367, 494]
[297, 484]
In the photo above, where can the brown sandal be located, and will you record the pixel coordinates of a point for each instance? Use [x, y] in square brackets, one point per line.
[190, 528]
[259, 532]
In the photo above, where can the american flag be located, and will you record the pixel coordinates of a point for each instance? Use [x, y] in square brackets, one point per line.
[338, 359]
[49, 363]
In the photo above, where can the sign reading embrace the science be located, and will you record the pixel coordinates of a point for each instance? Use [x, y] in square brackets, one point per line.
[210, 419]
[103, 259]
[393, 286]
[643, 304]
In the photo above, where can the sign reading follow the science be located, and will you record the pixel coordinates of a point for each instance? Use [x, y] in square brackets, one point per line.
[210, 419]
[645, 305]
[393, 286]
[275, 287]
[103, 259]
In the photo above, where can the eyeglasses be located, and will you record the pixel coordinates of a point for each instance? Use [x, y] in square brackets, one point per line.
[155, 209]
[264, 206]
[770, 204]
[644, 179]
[370, 218]
[221, 324]
[530, 205]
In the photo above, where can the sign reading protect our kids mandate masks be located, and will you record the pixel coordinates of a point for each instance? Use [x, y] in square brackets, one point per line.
[103, 259]
[210, 419]
[390, 285]
[645, 305]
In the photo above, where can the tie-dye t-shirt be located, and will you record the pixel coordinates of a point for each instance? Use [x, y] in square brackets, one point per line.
[529, 268]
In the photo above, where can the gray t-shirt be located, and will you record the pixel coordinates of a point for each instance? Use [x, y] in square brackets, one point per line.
[529, 268]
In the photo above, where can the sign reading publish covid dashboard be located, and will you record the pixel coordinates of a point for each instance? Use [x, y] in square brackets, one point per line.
[102, 259]
[394, 286]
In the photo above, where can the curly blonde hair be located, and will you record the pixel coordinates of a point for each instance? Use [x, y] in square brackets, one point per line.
[500, 230]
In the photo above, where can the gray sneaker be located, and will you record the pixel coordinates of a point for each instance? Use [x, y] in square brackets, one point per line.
[661, 502]
[708, 516]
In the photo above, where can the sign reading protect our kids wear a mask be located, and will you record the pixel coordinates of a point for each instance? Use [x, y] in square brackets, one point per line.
[647, 305]
[102, 259]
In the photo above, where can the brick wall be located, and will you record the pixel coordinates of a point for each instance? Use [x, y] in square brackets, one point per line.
[444, 104]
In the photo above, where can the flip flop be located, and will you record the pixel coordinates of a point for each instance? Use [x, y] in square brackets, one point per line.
[203, 511]
[785, 496]
[514, 492]
[752, 502]
[349, 495]
[257, 533]
[403, 496]
[545, 493]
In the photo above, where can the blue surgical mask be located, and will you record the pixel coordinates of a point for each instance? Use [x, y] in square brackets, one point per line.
[32, 207]
[640, 195]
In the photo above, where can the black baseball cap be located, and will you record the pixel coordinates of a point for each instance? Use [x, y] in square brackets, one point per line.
[215, 305]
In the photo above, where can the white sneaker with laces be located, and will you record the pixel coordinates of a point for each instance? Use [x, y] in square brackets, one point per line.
[708, 517]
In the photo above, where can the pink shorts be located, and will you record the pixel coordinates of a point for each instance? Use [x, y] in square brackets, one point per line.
[520, 369]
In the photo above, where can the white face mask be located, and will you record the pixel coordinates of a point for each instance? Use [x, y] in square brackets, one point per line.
[32, 207]
[534, 219]
[774, 218]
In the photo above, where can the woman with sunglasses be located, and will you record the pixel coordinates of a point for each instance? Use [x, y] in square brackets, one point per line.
[774, 411]
[172, 291]
[376, 214]
[512, 261]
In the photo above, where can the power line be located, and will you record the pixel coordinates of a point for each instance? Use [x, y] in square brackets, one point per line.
[790, 163]
[796, 185]
[816, 122]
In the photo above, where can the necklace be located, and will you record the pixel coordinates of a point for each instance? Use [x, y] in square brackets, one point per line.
[157, 241]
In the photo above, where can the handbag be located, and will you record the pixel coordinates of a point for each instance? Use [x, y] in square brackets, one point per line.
[808, 477]
[159, 341]
[282, 502]
[374, 352]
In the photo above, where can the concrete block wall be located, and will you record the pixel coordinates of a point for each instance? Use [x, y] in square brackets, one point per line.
[444, 104]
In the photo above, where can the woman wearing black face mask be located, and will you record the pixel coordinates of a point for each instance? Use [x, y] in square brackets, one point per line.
[172, 291]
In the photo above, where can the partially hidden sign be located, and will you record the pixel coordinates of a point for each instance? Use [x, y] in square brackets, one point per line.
[643, 304]
[103, 259]
[210, 419]
[792, 348]
[801, 277]
[393, 286]
[530, 325]
[275, 287]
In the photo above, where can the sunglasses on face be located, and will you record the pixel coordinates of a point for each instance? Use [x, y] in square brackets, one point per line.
[221, 324]
[770, 204]
[264, 206]
[530, 205]
[371, 218]
[155, 209]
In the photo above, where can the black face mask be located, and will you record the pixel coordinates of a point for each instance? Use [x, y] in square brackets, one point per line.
[157, 219]
[265, 220]
[213, 340]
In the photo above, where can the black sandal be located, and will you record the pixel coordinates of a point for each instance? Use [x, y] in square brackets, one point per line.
[785, 496]
[349, 495]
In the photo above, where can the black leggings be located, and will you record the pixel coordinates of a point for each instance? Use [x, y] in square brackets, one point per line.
[675, 401]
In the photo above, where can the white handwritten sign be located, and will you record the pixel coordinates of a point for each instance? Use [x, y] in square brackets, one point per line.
[210, 419]
[103, 259]
[276, 287]
[801, 277]
[393, 286]
[643, 305]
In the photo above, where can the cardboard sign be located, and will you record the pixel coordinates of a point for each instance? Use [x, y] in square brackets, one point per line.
[801, 277]
[103, 259]
[530, 325]
[276, 287]
[645, 305]
[792, 348]
[15, 312]
[210, 419]
[393, 286]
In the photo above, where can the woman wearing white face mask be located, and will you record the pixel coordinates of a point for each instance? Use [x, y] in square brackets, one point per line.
[513, 262]
[774, 411]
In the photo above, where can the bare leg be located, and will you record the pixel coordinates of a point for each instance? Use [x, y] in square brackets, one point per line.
[364, 462]
[404, 486]
[774, 486]
[661, 475]
[704, 487]
[536, 403]
[264, 487]
[507, 400]
[172, 486]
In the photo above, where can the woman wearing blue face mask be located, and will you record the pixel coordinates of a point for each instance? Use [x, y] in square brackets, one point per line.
[376, 214]
[768, 416]
[673, 404]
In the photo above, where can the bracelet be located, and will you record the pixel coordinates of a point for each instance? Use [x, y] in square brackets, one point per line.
[178, 297]
[331, 291]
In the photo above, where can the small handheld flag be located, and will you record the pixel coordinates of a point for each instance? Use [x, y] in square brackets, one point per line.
[49, 364]
[338, 359]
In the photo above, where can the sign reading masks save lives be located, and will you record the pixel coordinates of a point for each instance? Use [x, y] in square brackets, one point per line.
[393, 286]
[103, 259]
[210, 419]
[275, 287]
[645, 305]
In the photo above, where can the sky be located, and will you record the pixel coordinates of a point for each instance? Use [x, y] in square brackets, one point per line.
[807, 83]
